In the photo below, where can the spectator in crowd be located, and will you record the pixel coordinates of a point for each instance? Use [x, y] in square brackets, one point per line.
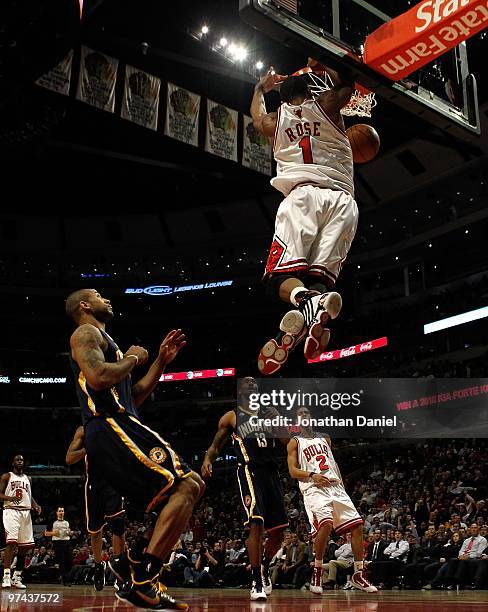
[384, 572]
[344, 559]
[435, 573]
[460, 571]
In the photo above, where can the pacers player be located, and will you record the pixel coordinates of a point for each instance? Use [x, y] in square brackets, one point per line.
[135, 460]
[259, 484]
[103, 505]
[16, 494]
[311, 462]
[316, 222]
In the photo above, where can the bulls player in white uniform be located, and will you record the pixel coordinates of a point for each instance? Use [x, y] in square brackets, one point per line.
[16, 494]
[328, 506]
[316, 222]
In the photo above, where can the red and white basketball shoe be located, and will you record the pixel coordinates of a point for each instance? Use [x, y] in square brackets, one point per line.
[317, 310]
[316, 581]
[358, 581]
[275, 352]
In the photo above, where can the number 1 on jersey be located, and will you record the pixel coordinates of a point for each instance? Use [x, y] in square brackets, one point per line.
[305, 145]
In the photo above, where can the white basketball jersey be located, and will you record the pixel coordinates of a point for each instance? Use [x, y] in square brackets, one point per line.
[310, 148]
[315, 455]
[20, 488]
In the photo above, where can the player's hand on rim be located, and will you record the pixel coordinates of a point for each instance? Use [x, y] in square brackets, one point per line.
[171, 346]
[270, 80]
[139, 352]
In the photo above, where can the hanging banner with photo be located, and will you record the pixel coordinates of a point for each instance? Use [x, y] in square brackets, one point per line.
[256, 148]
[141, 98]
[221, 137]
[98, 75]
[182, 113]
[59, 77]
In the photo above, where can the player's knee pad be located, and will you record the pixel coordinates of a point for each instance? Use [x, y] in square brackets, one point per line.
[117, 525]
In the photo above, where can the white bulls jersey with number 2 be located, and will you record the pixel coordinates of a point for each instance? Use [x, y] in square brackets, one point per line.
[309, 148]
[315, 455]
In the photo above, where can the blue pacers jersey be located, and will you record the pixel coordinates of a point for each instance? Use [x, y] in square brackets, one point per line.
[107, 402]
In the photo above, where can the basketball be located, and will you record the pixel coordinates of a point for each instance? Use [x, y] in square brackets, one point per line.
[365, 142]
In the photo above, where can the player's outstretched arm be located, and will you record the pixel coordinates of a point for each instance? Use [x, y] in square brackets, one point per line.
[3, 486]
[169, 348]
[76, 451]
[263, 121]
[333, 100]
[294, 467]
[226, 424]
[86, 349]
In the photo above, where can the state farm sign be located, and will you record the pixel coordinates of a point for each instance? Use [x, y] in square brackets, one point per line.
[416, 38]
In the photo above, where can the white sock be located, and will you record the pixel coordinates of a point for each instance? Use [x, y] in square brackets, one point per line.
[358, 566]
[6, 572]
[295, 292]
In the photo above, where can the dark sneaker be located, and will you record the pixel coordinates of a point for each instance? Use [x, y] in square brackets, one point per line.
[266, 579]
[317, 310]
[120, 567]
[275, 352]
[150, 595]
[99, 576]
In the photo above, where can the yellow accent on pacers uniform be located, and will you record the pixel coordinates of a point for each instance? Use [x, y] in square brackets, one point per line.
[174, 456]
[82, 383]
[241, 444]
[139, 454]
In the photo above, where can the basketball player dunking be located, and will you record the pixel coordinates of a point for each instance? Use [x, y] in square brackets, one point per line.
[311, 462]
[259, 484]
[135, 460]
[103, 505]
[16, 494]
[316, 222]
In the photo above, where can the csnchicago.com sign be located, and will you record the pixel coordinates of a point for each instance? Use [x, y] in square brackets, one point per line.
[168, 290]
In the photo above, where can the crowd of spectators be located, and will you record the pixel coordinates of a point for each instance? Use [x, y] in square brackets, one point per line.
[425, 525]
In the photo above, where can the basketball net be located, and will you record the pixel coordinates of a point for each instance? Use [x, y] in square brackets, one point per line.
[362, 100]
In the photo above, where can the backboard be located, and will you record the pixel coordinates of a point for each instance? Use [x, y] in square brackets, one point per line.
[333, 31]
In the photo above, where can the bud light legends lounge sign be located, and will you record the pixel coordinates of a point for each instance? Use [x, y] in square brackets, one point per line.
[168, 290]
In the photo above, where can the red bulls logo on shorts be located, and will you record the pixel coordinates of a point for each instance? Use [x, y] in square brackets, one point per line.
[276, 253]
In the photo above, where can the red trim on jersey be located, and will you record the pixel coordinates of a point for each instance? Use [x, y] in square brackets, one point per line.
[340, 130]
[278, 117]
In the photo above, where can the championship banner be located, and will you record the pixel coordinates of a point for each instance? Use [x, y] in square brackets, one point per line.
[221, 136]
[98, 75]
[141, 98]
[58, 78]
[256, 149]
[356, 349]
[422, 34]
[182, 114]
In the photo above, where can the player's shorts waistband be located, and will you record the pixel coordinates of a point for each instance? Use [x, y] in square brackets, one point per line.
[12, 508]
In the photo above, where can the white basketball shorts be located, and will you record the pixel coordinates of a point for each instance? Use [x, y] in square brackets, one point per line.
[314, 230]
[330, 505]
[18, 527]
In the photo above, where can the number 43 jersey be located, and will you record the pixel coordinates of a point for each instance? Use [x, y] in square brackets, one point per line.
[255, 445]
[310, 149]
[315, 455]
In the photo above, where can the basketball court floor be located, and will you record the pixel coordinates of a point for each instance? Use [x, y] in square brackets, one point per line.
[80, 599]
